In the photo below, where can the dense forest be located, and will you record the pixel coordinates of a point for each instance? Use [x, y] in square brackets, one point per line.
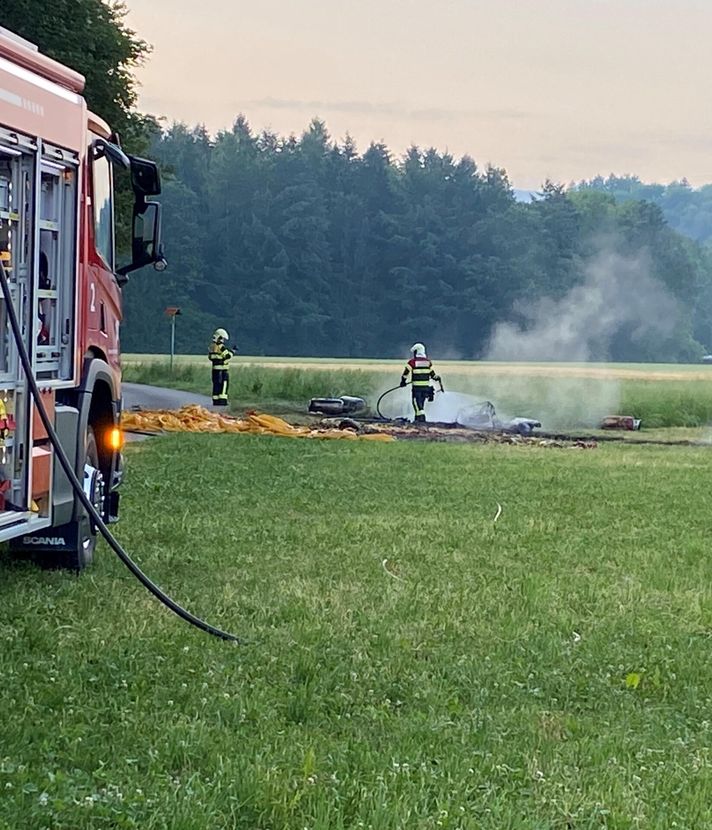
[307, 245]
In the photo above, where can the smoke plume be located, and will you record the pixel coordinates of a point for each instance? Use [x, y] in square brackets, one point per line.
[617, 297]
[617, 304]
[618, 300]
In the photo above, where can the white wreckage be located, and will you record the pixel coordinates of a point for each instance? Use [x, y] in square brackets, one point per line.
[480, 416]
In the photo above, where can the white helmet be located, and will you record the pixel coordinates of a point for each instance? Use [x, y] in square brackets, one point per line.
[220, 334]
[418, 349]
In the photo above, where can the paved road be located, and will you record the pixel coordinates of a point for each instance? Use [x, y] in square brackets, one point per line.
[156, 397]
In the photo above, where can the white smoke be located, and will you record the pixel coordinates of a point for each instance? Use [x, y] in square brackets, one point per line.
[617, 294]
[617, 297]
[446, 407]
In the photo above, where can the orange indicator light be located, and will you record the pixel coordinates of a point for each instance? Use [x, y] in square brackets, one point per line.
[116, 439]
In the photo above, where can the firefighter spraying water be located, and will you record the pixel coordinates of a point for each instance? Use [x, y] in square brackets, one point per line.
[419, 372]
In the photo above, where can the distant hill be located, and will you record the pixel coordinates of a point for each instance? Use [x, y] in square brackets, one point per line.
[688, 210]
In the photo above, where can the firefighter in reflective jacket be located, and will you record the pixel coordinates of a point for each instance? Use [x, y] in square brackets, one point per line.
[421, 373]
[219, 356]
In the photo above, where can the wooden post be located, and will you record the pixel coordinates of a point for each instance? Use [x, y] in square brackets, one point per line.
[172, 312]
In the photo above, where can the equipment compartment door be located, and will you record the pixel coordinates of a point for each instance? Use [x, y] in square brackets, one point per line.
[18, 253]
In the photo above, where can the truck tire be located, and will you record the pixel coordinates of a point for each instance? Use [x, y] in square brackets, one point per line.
[87, 534]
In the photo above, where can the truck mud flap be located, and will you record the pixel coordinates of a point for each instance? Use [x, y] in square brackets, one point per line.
[112, 508]
[62, 539]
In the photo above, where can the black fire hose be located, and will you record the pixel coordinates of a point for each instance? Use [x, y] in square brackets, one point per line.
[387, 392]
[77, 485]
[395, 389]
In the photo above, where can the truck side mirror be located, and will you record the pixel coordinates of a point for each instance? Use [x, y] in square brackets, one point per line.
[145, 178]
[146, 239]
[146, 247]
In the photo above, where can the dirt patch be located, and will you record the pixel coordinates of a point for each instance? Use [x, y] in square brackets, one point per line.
[453, 434]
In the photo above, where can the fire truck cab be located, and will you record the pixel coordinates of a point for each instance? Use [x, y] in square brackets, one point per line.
[57, 246]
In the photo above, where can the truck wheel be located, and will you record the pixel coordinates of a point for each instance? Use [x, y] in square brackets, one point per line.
[95, 488]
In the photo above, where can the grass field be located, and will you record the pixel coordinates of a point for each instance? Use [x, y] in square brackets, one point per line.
[562, 396]
[548, 671]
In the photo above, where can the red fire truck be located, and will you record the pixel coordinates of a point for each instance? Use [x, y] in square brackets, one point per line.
[58, 163]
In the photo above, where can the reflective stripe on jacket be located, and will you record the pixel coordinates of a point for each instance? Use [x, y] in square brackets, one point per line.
[219, 356]
[421, 370]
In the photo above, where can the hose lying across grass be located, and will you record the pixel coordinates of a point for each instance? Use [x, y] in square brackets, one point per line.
[84, 500]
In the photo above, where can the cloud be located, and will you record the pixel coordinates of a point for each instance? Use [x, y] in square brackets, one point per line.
[392, 108]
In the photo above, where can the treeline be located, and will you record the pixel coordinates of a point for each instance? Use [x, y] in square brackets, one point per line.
[304, 246]
[687, 209]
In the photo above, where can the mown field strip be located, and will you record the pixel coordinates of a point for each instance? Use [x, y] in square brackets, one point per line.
[602, 371]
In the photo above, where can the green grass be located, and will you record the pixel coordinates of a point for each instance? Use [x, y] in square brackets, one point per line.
[669, 403]
[550, 671]
[576, 402]
[560, 402]
[278, 388]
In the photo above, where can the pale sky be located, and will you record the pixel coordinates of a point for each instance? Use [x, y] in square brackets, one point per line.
[563, 89]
